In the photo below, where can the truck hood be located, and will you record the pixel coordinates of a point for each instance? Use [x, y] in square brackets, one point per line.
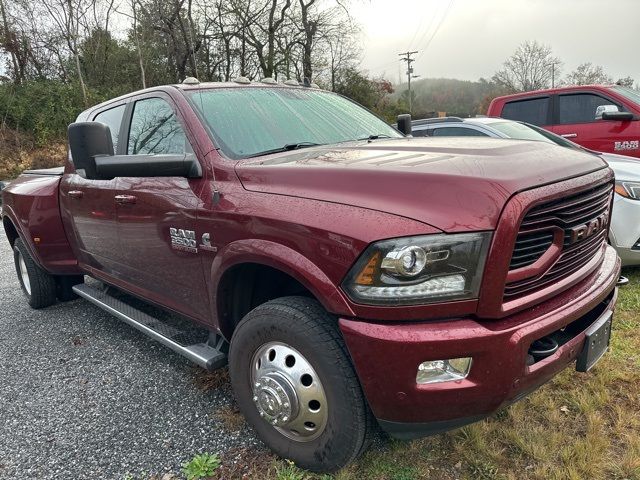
[453, 184]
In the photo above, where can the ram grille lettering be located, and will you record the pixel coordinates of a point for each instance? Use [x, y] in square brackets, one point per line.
[582, 232]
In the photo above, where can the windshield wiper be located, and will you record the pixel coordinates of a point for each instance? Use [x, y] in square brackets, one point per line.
[375, 137]
[286, 148]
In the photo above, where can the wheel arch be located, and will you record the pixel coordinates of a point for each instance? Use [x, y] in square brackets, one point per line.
[10, 230]
[267, 270]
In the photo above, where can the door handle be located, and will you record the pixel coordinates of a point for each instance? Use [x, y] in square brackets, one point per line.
[125, 199]
[569, 135]
[77, 194]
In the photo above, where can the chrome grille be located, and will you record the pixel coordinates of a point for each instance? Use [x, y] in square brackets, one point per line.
[533, 240]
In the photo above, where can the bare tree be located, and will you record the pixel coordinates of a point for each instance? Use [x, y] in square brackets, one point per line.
[531, 67]
[588, 74]
[68, 16]
[625, 82]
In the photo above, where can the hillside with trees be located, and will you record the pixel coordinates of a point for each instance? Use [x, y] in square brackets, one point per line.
[58, 57]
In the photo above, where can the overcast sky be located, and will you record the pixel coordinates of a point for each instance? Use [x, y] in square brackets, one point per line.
[469, 39]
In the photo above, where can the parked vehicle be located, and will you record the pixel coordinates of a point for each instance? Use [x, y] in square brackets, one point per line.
[347, 274]
[598, 117]
[625, 227]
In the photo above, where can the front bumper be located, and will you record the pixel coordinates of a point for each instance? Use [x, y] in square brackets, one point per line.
[386, 357]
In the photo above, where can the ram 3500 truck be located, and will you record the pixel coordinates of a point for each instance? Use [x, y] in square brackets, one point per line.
[349, 275]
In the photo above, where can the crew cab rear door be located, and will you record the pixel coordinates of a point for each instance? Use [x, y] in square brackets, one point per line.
[157, 215]
[576, 119]
[536, 110]
[88, 208]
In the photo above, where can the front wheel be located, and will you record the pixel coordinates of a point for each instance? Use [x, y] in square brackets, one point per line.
[296, 386]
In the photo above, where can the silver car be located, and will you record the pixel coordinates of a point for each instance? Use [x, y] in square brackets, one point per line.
[625, 219]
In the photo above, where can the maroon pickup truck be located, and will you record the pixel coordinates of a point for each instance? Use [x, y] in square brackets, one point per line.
[349, 275]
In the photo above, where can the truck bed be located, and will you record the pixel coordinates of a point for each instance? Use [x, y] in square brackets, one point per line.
[49, 172]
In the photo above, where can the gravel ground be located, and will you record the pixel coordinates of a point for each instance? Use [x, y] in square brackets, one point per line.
[83, 395]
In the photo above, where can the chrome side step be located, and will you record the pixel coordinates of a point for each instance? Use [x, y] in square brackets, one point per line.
[210, 355]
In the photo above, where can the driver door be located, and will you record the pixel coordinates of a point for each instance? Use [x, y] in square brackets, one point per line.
[577, 121]
[156, 216]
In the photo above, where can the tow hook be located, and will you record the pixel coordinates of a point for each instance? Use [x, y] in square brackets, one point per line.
[542, 348]
[622, 281]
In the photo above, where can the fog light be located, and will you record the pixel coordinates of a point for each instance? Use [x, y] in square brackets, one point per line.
[437, 371]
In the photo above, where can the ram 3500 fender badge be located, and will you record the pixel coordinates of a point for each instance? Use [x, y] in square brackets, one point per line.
[183, 240]
[206, 243]
[627, 145]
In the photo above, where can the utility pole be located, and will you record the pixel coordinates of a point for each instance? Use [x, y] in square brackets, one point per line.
[553, 73]
[406, 57]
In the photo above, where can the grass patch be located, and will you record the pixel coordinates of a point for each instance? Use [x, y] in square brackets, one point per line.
[203, 465]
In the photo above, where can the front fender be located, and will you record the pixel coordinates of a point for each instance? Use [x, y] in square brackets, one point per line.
[282, 258]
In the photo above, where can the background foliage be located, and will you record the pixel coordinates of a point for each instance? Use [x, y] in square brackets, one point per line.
[58, 57]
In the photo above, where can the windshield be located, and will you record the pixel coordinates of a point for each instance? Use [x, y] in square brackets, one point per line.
[247, 122]
[518, 131]
[633, 95]
[629, 94]
[524, 131]
[557, 139]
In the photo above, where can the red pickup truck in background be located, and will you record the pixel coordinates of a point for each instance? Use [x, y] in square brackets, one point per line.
[598, 117]
[347, 274]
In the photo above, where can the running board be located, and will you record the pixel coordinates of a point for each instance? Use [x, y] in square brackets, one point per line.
[210, 355]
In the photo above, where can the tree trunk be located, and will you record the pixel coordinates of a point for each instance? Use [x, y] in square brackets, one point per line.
[7, 40]
[135, 35]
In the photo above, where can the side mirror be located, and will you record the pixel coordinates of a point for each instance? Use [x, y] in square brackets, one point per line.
[88, 140]
[619, 116]
[179, 165]
[404, 124]
[612, 112]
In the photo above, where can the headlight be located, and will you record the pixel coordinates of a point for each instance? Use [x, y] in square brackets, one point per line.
[628, 189]
[415, 270]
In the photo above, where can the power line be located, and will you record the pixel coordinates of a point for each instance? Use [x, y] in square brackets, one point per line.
[415, 34]
[435, 32]
[428, 29]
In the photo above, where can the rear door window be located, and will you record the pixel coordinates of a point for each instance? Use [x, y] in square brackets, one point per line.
[534, 110]
[155, 130]
[580, 107]
[112, 118]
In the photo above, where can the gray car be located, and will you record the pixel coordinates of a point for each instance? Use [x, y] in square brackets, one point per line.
[625, 220]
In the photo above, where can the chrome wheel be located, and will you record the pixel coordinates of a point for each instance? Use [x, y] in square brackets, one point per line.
[288, 392]
[24, 274]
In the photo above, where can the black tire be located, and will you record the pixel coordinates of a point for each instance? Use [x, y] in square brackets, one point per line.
[41, 291]
[64, 286]
[303, 324]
